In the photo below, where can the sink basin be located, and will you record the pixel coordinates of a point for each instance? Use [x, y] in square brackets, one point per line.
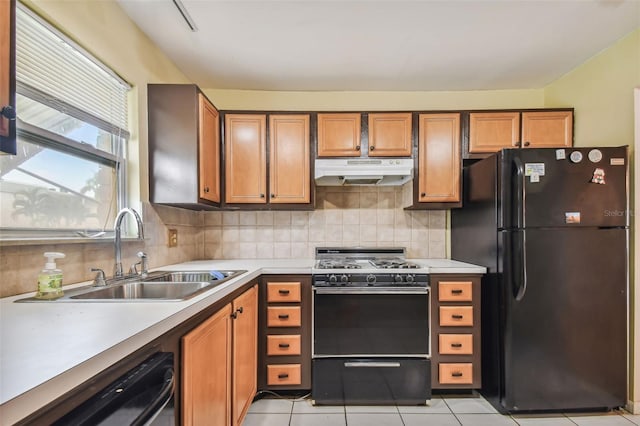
[158, 285]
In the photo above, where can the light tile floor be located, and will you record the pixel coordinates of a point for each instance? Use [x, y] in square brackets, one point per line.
[443, 411]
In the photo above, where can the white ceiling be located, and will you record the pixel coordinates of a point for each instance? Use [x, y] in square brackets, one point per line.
[383, 45]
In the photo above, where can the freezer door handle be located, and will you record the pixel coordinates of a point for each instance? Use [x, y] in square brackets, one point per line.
[520, 268]
[520, 192]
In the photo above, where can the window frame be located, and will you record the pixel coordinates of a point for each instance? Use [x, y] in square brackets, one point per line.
[30, 133]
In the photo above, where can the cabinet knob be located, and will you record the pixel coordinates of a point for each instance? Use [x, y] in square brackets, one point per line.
[239, 310]
[527, 144]
[516, 143]
[206, 189]
[423, 194]
[371, 148]
[273, 195]
[357, 147]
[8, 112]
[261, 195]
[234, 315]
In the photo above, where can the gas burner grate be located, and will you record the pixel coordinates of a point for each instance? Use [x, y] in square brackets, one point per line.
[393, 264]
[337, 264]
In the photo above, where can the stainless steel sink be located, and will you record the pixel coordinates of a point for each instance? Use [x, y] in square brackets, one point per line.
[158, 286]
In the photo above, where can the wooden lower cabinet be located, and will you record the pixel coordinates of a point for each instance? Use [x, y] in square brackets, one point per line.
[245, 353]
[219, 364]
[206, 372]
[455, 332]
[284, 340]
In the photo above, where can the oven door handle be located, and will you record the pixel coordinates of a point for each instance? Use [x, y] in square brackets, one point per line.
[371, 364]
[372, 290]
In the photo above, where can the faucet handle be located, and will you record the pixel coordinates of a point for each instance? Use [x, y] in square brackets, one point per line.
[99, 280]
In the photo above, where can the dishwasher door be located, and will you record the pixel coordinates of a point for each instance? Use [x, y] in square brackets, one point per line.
[142, 396]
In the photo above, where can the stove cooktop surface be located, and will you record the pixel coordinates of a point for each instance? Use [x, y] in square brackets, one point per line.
[363, 260]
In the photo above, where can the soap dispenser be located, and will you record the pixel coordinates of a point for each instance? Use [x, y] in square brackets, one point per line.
[50, 278]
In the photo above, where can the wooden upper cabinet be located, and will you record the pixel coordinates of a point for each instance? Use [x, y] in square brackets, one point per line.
[390, 135]
[339, 135]
[492, 131]
[245, 158]
[206, 372]
[547, 129]
[439, 160]
[289, 159]
[7, 77]
[245, 353]
[209, 150]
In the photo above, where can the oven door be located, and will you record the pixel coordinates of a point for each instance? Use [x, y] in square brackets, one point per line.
[371, 322]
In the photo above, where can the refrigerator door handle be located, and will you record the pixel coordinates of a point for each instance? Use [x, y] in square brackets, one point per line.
[521, 289]
[520, 193]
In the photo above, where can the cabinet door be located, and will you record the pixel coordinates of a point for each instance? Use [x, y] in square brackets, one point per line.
[245, 158]
[439, 158]
[339, 135]
[547, 129]
[245, 352]
[209, 150]
[7, 77]
[290, 180]
[390, 135]
[206, 372]
[492, 131]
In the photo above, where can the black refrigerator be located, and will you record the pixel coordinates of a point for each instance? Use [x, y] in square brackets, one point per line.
[551, 227]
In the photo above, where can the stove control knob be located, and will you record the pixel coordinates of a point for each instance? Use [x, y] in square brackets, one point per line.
[371, 278]
[410, 278]
[333, 279]
[344, 278]
[398, 278]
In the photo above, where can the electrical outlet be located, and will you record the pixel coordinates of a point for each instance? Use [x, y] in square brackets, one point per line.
[173, 238]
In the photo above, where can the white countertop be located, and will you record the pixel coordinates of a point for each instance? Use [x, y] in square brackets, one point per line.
[49, 348]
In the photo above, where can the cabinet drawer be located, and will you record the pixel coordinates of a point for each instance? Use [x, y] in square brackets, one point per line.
[283, 316]
[283, 292]
[454, 291]
[460, 316]
[455, 344]
[284, 374]
[283, 345]
[455, 373]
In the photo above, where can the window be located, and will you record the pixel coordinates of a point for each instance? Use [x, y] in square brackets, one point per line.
[68, 178]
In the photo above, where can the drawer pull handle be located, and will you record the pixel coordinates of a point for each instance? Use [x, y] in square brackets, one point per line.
[457, 316]
[456, 374]
[456, 291]
[283, 316]
[283, 345]
[283, 376]
[456, 345]
[283, 291]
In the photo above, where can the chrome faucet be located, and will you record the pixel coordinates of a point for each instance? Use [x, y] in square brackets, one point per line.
[117, 270]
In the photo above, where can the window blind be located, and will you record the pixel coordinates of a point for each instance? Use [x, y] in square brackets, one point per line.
[49, 62]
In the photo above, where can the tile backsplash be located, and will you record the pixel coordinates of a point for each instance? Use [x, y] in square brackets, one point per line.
[353, 216]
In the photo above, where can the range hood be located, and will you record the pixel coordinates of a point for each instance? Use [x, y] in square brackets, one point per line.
[363, 171]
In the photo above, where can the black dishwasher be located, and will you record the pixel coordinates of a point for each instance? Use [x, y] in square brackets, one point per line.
[142, 396]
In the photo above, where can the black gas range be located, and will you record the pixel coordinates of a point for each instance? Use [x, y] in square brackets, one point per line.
[371, 328]
[367, 267]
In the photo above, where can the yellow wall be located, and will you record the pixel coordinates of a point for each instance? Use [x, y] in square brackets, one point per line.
[105, 30]
[602, 92]
[391, 101]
